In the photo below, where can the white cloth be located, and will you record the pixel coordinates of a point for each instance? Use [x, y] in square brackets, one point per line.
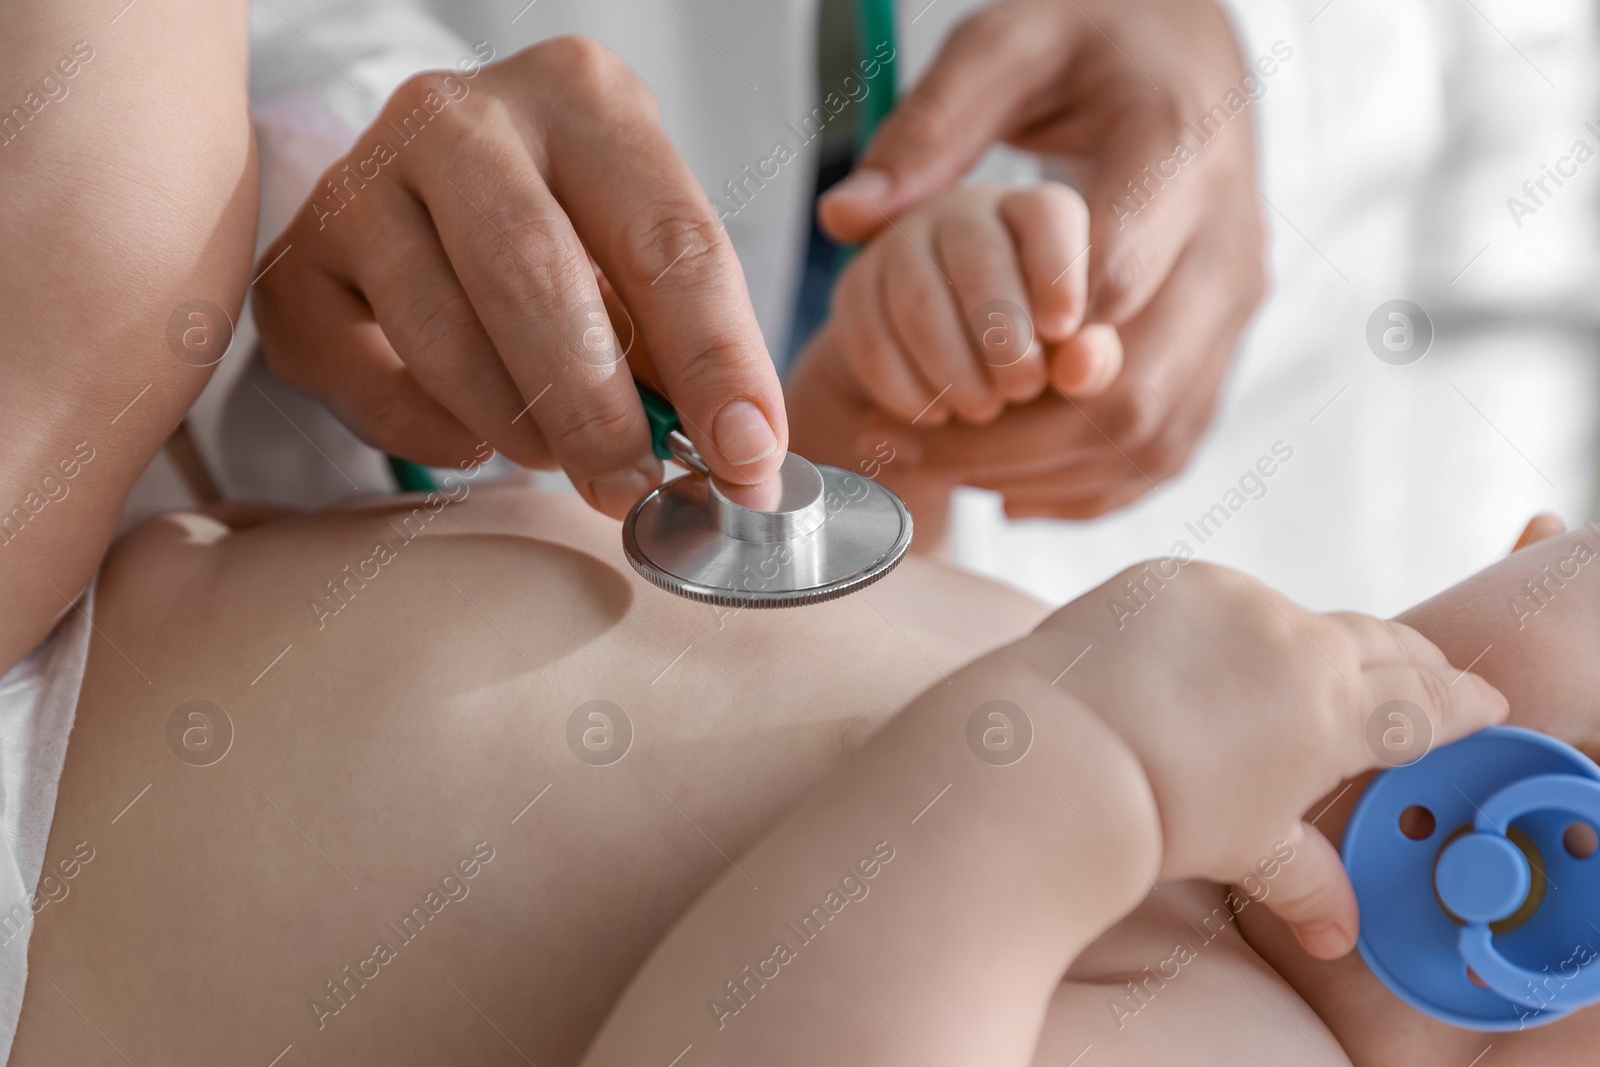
[38, 702]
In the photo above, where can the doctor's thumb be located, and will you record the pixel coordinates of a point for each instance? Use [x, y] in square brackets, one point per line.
[965, 102]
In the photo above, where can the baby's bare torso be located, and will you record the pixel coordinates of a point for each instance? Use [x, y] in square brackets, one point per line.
[401, 686]
[472, 769]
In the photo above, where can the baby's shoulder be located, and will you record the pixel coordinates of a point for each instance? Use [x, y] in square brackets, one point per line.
[1176, 982]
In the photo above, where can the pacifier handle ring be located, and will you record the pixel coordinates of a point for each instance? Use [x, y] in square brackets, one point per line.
[1569, 793]
[1542, 792]
[1518, 984]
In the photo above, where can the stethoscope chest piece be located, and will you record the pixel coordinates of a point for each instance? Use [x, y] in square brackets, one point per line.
[1478, 883]
[816, 533]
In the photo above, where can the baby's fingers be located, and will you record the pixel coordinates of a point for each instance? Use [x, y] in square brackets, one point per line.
[1407, 711]
[1388, 643]
[998, 345]
[1049, 224]
[1541, 526]
[1312, 893]
[872, 350]
[920, 302]
[1085, 364]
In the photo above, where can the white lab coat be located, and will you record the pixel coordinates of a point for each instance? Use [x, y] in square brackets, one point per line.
[1391, 140]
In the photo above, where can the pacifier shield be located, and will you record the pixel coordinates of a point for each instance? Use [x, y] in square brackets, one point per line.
[1489, 876]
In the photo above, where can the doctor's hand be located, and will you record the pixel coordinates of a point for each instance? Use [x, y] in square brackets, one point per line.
[443, 285]
[1046, 457]
[1177, 267]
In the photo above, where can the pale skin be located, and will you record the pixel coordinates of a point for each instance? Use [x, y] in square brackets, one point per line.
[420, 720]
[173, 137]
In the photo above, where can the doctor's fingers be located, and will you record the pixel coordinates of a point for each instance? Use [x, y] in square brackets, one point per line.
[1143, 427]
[1176, 356]
[1034, 440]
[319, 337]
[1123, 475]
[1145, 209]
[1101, 493]
[643, 216]
[988, 78]
[529, 281]
[1052, 459]
[434, 328]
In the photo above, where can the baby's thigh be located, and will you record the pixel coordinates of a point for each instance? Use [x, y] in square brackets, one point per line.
[1175, 982]
[406, 835]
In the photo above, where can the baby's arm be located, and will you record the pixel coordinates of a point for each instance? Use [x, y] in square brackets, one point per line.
[934, 905]
[1010, 816]
[126, 231]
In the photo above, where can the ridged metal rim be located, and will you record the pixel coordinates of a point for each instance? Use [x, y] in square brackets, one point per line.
[766, 598]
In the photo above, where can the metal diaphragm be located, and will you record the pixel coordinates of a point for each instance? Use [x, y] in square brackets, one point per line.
[816, 533]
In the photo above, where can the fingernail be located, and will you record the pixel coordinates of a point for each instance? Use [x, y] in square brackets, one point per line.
[742, 434]
[617, 492]
[868, 185]
[1325, 940]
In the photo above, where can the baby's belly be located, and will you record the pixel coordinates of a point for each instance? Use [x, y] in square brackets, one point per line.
[425, 787]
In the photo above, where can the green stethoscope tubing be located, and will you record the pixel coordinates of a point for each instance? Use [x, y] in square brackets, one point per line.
[875, 24]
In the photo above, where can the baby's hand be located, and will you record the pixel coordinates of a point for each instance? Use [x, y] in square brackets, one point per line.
[1242, 710]
[955, 307]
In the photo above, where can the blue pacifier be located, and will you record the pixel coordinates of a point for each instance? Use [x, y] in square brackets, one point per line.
[1479, 886]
